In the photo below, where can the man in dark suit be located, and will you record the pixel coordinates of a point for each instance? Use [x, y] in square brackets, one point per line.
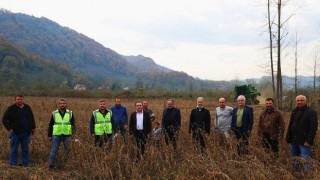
[199, 124]
[171, 123]
[140, 126]
[242, 123]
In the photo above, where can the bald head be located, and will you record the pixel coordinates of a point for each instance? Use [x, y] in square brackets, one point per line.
[301, 101]
[222, 103]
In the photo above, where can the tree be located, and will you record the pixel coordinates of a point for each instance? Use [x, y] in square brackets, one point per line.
[279, 73]
[271, 48]
[280, 34]
[316, 59]
[296, 66]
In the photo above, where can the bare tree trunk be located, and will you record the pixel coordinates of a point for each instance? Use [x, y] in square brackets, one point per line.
[315, 71]
[279, 75]
[271, 51]
[296, 67]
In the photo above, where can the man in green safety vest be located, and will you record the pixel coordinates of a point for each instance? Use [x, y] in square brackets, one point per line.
[101, 125]
[61, 127]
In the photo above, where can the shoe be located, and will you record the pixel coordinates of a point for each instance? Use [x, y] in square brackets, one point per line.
[51, 166]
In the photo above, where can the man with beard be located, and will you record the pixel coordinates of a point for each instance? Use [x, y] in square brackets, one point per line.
[271, 127]
[61, 127]
[101, 125]
[18, 119]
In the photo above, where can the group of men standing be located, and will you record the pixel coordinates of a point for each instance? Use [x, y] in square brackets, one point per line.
[105, 124]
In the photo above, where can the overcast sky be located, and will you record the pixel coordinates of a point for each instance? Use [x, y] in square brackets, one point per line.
[209, 39]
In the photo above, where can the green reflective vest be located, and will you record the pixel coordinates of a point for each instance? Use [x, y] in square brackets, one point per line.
[62, 126]
[102, 124]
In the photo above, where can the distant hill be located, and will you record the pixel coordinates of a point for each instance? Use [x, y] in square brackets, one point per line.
[94, 65]
[19, 70]
[51, 41]
[145, 64]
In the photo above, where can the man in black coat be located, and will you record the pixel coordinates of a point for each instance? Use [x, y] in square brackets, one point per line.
[302, 130]
[171, 123]
[18, 119]
[140, 126]
[199, 125]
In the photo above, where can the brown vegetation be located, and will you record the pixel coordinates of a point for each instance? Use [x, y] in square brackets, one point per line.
[89, 162]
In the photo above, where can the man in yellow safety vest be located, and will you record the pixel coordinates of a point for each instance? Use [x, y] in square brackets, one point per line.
[61, 127]
[101, 125]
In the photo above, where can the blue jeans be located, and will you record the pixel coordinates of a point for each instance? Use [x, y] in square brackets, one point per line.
[22, 138]
[304, 152]
[56, 140]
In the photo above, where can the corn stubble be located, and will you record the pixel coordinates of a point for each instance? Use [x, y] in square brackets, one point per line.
[122, 161]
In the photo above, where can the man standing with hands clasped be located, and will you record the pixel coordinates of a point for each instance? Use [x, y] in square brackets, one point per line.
[302, 129]
[140, 126]
[101, 125]
[242, 123]
[271, 127]
[120, 117]
[171, 123]
[18, 119]
[199, 124]
[223, 123]
[61, 127]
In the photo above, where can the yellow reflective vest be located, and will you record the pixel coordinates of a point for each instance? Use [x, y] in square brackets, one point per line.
[102, 125]
[62, 126]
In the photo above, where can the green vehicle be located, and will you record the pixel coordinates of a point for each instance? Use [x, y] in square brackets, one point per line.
[249, 91]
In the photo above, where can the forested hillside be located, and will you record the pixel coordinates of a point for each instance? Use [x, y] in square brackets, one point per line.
[78, 54]
[19, 70]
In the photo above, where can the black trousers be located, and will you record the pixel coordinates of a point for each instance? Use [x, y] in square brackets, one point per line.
[171, 137]
[198, 137]
[268, 143]
[243, 142]
[100, 140]
[141, 141]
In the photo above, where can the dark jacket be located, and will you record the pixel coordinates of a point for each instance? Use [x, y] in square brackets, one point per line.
[200, 120]
[11, 119]
[276, 124]
[307, 127]
[133, 124]
[247, 121]
[175, 119]
[51, 123]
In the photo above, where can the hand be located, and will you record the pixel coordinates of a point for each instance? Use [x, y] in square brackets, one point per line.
[50, 138]
[306, 144]
[131, 136]
[126, 126]
[93, 135]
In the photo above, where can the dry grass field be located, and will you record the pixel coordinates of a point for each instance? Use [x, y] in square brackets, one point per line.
[89, 162]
